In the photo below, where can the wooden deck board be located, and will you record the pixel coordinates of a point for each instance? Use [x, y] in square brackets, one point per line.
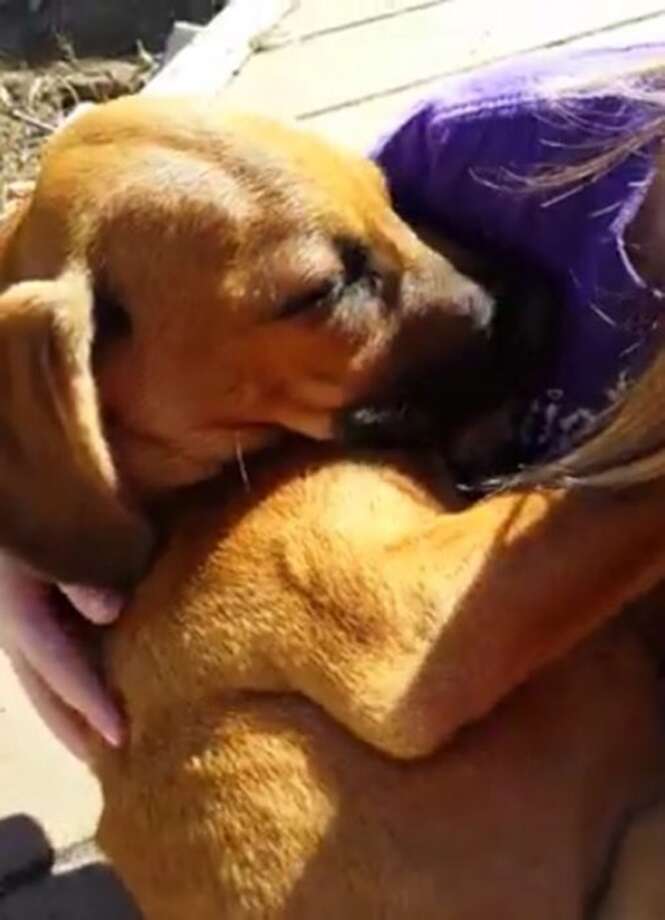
[212, 58]
[362, 62]
[359, 124]
[315, 17]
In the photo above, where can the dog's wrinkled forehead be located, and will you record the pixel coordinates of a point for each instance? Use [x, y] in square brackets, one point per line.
[142, 161]
[143, 190]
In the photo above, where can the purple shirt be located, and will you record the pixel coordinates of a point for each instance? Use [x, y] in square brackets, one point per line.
[459, 160]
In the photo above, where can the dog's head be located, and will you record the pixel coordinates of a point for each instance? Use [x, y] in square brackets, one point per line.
[225, 278]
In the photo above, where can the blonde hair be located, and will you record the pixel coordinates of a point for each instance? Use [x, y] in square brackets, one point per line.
[628, 443]
[646, 86]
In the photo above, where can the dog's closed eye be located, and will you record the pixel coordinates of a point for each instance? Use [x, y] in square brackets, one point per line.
[355, 269]
[324, 294]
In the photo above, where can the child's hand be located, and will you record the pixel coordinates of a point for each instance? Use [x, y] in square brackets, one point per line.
[52, 669]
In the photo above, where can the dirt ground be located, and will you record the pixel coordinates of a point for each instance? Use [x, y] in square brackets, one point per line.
[34, 101]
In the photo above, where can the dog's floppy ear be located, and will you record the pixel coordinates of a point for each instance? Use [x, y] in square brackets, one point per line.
[60, 509]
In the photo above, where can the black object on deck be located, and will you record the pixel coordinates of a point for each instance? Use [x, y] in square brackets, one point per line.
[32, 29]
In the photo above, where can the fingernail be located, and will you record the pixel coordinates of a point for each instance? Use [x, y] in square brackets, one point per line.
[105, 606]
[98, 605]
[114, 737]
[111, 727]
[114, 740]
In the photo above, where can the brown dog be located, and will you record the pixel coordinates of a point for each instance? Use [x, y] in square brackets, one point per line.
[300, 654]
[298, 660]
[229, 278]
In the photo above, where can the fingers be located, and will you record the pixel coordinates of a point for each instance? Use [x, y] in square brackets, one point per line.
[63, 668]
[63, 722]
[100, 607]
[29, 632]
